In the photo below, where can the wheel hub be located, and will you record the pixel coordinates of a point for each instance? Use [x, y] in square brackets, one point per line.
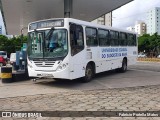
[89, 73]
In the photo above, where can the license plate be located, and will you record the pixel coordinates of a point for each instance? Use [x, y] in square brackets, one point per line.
[47, 75]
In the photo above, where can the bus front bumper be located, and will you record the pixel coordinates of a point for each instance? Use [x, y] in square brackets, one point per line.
[62, 74]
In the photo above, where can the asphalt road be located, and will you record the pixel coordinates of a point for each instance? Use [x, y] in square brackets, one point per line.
[147, 66]
[141, 74]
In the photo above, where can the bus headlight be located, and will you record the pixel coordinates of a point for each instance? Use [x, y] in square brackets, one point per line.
[30, 65]
[62, 66]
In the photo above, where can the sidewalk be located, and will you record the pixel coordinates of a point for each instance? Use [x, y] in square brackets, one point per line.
[122, 99]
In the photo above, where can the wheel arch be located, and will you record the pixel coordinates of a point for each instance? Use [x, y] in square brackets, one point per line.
[92, 63]
[125, 58]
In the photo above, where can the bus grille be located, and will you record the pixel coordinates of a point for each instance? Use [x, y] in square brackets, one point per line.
[44, 64]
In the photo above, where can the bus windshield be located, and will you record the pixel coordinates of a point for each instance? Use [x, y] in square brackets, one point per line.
[54, 46]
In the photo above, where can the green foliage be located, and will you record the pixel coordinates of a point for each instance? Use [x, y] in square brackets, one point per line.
[12, 44]
[149, 43]
[3, 42]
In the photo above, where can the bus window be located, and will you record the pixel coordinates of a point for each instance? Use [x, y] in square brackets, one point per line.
[103, 36]
[131, 40]
[114, 38]
[123, 39]
[91, 36]
[76, 38]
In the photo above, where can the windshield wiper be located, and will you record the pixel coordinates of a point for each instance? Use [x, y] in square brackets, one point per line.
[49, 33]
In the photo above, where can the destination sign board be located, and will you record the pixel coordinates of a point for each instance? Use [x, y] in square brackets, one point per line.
[46, 24]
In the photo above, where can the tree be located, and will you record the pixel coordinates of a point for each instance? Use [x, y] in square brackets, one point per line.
[13, 44]
[149, 44]
[144, 43]
[3, 42]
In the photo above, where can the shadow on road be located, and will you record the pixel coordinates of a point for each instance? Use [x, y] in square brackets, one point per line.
[77, 84]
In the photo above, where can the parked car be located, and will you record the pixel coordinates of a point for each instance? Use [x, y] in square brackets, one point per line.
[2, 61]
[12, 58]
[3, 54]
[142, 55]
[158, 56]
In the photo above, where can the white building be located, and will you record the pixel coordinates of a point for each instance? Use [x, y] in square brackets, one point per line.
[131, 28]
[104, 20]
[139, 28]
[153, 21]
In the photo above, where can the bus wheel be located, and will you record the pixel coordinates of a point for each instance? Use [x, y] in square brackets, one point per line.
[89, 73]
[124, 66]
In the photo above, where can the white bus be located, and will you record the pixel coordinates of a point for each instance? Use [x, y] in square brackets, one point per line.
[67, 48]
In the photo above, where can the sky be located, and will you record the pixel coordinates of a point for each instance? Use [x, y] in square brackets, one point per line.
[127, 15]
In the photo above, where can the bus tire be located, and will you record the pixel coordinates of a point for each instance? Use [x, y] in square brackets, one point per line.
[124, 66]
[57, 79]
[89, 73]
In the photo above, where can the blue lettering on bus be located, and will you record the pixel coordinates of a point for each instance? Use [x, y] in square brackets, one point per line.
[122, 49]
[113, 55]
[113, 52]
[124, 54]
[109, 50]
[103, 55]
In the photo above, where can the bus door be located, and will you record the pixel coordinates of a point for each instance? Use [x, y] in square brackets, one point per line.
[77, 51]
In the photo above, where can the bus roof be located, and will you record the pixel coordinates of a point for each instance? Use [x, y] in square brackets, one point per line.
[86, 23]
[90, 24]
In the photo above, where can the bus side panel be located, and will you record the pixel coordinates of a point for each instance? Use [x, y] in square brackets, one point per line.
[93, 54]
[107, 62]
[132, 55]
[77, 65]
[103, 65]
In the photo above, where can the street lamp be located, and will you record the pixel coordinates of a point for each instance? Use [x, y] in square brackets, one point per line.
[22, 33]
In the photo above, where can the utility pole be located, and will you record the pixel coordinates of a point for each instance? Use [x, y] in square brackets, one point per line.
[21, 36]
[68, 8]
